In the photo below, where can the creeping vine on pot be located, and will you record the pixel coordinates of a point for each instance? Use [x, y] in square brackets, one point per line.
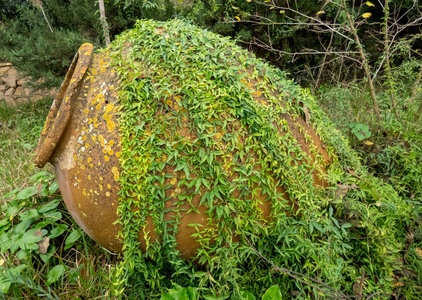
[209, 130]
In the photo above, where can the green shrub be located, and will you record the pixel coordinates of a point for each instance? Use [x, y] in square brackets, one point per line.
[35, 51]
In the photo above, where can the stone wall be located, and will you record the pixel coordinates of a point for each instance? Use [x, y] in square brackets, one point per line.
[14, 89]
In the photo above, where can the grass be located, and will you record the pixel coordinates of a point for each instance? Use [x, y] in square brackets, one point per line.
[395, 156]
[393, 151]
[20, 128]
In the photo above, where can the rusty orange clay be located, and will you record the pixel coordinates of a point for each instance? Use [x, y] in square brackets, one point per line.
[81, 139]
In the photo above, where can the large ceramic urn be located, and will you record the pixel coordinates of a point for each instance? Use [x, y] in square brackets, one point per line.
[194, 155]
[81, 139]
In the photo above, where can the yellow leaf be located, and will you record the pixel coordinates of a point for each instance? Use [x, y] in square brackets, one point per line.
[272, 7]
[369, 4]
[368, 143]
[398, 284]
[282, 11]
[366, 15]
[320, 12]
[237, 18]
[248, 0]
[419, 251]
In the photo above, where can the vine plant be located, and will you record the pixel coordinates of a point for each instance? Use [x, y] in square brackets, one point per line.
[204, 123]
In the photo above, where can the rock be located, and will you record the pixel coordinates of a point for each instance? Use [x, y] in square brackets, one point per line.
[22, 81]
[1, 95]
[36, 97]
[19, 92]
[2, 88]
[3, 70]
[22, 100]
[9, 92]
[10, 101]
[28, 91]
[53, 92]
[11, 78]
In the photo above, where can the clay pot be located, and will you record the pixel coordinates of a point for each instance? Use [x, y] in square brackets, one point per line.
[81, 139]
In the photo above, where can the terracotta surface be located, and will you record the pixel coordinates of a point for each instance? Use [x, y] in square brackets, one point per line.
[81, 140]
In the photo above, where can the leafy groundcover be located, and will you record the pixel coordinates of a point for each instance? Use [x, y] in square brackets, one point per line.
[191, 126]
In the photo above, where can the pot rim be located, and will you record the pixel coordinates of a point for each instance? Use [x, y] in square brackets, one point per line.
[61, 109]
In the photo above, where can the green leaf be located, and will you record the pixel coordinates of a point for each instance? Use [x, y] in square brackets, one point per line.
[192, 293]
[247, 295]
[57, 231]
[54, 274]
[30, 239]
[12, 193]
[5, 242]
[22, 227]
[5, 282]
[273, 293]
[179, 293]
[50, 251]
[41, 175]
[27, 193]
[361, 131]
[23, 254]
[72, 238]
[29, 214]
[49, 206]
[8, 275]
[53, 215]
[212, 297]
[53, 188]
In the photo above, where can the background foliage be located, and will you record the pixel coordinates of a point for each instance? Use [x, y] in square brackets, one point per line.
[390, 148]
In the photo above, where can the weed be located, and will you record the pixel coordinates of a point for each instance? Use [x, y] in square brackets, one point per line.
[43, 251]
[20, 128]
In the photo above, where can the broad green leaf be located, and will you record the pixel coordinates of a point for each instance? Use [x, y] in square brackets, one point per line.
[22, 254]
[29, 214]
[8, 276]
[11, 193]
[41, 175]
[54, 274]
[273, 293]
[57, 231]
[53, 188]
[53, 215]
[49, 206]
[30, 239]
[247, 295]
[192, 293]
[27, 193]
[22, 227]
[50, 251]
[72, 238]
[5, 242]
[212, 297]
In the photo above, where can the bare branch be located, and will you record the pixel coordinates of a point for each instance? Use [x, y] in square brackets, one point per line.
[314, 19]
[293, 274]
[104, 22]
